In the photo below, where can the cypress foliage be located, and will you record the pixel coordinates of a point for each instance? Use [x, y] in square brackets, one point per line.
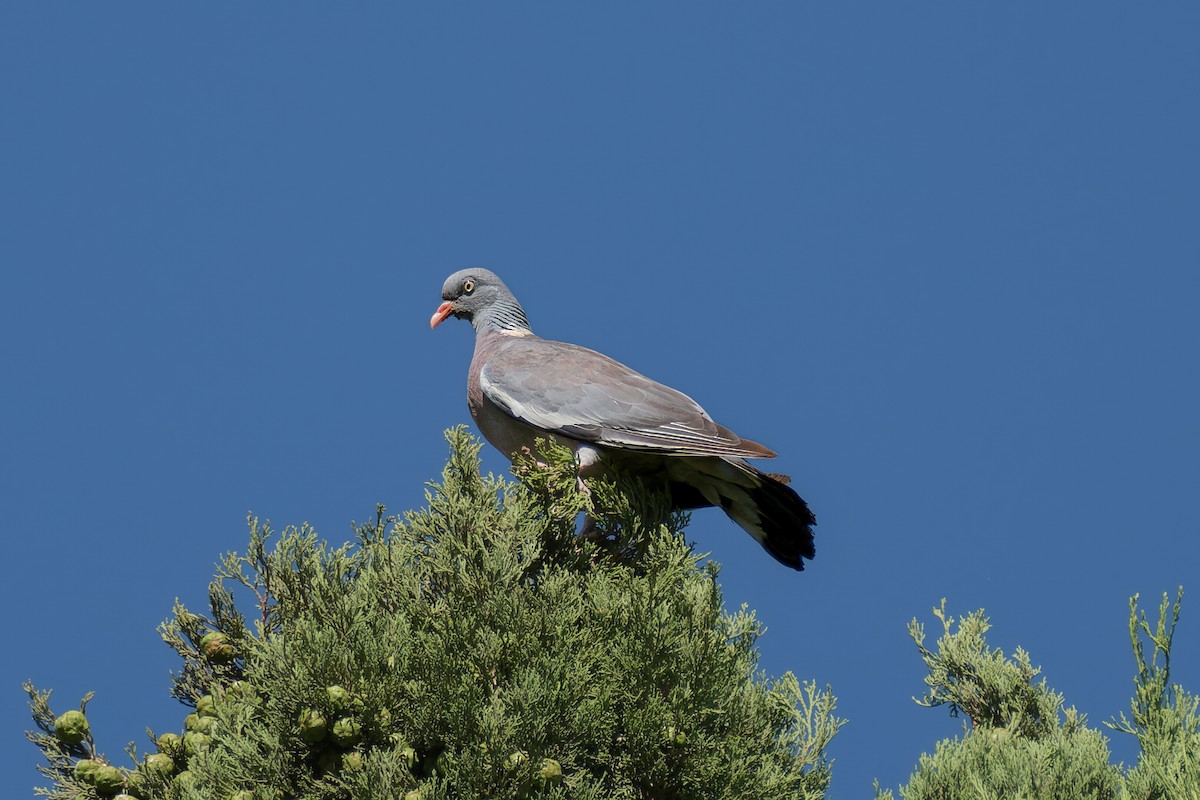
[476, 648]
[1163, 715]
[1022, 742]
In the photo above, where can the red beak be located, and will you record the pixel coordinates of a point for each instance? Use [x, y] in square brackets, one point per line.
[443, 311]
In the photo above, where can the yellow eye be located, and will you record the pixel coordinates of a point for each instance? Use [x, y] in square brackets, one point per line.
[468, 286]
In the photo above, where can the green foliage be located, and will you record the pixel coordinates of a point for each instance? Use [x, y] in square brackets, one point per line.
[480, 648]
[1023, 743]
[477, 648]
[70, 765]
[993, 691]
[1069, 762]
[1163, 715]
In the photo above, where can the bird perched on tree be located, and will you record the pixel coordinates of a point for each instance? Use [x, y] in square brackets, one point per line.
[521, 387]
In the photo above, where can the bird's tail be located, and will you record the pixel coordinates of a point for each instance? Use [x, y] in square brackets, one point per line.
[763, 505]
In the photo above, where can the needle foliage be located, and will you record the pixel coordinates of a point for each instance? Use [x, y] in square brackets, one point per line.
[480, 648]
[1023, 743]
[476, 648]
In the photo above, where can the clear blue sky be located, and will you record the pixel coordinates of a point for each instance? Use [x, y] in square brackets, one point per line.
[943, 258]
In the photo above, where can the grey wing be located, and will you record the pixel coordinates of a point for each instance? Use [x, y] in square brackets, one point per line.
[579, 393]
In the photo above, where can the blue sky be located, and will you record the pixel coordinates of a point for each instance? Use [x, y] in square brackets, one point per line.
[943, 259]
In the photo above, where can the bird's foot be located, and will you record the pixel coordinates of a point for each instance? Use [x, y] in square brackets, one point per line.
[537, 463]
[587, 458]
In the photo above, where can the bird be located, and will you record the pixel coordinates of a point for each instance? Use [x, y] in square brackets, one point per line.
[521, 388]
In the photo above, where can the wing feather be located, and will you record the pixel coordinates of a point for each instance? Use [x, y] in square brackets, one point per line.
[576, 392]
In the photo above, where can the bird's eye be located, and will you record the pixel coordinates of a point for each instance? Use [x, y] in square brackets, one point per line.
[468, 286]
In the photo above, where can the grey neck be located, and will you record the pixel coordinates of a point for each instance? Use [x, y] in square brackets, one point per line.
[503, 316]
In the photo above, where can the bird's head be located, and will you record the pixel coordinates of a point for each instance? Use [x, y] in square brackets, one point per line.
[480, 297]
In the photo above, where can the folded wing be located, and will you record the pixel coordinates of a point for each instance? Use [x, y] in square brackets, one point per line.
[579, 393]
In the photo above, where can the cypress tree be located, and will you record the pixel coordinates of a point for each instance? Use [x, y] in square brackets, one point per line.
[474, 648]
[477, 648]
[1022, 742]
[1163, 716]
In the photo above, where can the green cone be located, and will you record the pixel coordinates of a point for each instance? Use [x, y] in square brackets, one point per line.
[216, 647]
[85, 770]
[72, 727]
[551, 773]
[109, 780]
[347, 731]
[160, 764]
[205, 725]
[194, 742]
[204, 706]
[313, 725]
[170, 743]
[338, 697]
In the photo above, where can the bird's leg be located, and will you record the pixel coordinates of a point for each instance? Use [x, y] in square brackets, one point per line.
[537, 462]
[587, 457]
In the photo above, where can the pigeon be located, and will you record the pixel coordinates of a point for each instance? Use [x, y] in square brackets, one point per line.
[521, 387]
